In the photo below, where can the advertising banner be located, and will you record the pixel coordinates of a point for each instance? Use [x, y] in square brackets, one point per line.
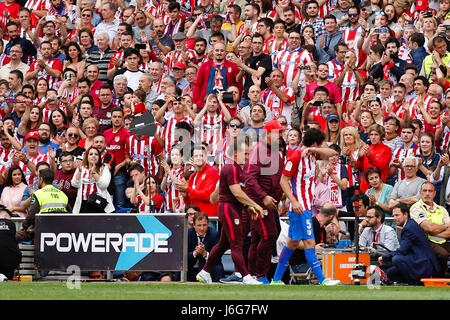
[110, 241]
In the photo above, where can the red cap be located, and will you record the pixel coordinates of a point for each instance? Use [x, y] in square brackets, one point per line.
[31, 135]
[179, 65]
[273, 125]
[422, 5]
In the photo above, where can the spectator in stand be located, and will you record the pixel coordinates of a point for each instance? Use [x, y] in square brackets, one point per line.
[103, 112]
[110, 23]
[116, 141]
[45, 67]
[92, 178]
[12, 31]
[407, 190]
[377, 154]
[12, 193]
[16, 54]
[101, 57]
[215, 75]
[201, 183]
[63, 176]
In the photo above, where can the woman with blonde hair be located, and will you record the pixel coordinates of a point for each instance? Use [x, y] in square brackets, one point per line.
[351, 149]
[90, 128]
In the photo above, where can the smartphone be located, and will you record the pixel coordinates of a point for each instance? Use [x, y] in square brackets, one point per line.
[50, 18]
[371, 97]
[68, 76]
[305, 67]
[428, 14]
[140, 46]
[382, 30]
[317, 103]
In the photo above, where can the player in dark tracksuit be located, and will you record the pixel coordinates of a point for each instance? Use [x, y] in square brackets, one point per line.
[262, 174]
[231, 204]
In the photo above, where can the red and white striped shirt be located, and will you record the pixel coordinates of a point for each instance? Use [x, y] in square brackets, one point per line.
[404, 53]
[53, 64]
[36, 5]
[211, 131]
[88, 184]
[287, 61]
[351, 36]
[145, 152]
[272, 46]
[401, 154]
[168, 131]
[325, 9]
[172, 195]
[350, 87]
[302, 172]
[176, 56]
[6, 158]
[413, 106]
[70, 96]
[29, 176]
[396, 108]
[334, 68]
[276, 105]
[171, 28]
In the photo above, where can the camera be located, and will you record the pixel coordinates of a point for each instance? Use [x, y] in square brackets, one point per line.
[305, 67]
[178, 99]
[371, 97]
[227, 97]
[68, 76]
[359, 272]
[382, 30]
[139, 46]
[428, 14]
[317, 103]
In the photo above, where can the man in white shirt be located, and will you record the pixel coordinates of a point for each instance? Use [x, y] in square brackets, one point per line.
[16, 63]
[377, 235]
[109, 24]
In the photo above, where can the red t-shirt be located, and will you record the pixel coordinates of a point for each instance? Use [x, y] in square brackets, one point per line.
[116, 143]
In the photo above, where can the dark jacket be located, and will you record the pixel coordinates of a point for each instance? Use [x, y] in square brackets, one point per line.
[262, 173]
[417, 57]
[210, 240]
[9, 250]
[398, 69]
[414, 246]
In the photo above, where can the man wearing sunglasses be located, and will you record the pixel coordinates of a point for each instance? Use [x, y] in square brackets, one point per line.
[72, 137]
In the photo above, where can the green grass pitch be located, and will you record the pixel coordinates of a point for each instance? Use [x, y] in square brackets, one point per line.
[58, 290]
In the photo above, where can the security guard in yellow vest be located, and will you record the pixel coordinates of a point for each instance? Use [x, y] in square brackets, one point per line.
[435, 221]
[47, 199]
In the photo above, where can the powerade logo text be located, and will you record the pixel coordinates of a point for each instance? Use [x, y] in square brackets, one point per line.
[106, 242]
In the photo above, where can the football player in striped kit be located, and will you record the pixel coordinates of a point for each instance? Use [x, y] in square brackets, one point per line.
[298, 181]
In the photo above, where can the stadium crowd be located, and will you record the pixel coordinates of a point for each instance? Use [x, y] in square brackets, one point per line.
[367, 82]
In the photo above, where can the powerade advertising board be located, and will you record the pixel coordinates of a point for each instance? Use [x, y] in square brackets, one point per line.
[109, 241]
